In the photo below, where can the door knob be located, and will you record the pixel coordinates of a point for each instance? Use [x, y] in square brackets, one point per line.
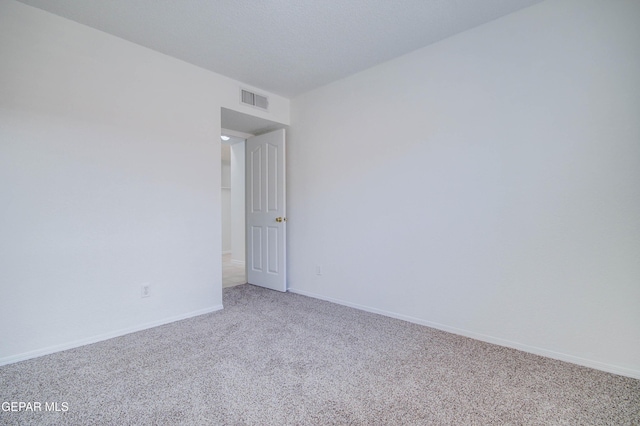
[281, 219]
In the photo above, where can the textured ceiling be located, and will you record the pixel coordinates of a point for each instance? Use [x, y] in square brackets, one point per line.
[284, 46]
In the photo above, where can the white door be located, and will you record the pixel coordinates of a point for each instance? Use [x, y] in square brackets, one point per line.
[266, 220]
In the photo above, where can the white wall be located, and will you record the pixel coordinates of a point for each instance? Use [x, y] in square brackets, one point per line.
[109, 178]
[238, 202]
[487, 184]
[226, 198]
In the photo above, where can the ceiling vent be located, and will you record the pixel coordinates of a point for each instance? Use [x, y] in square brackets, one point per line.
[253, 99]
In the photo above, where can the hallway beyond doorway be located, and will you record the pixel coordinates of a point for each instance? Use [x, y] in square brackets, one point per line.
[233, 272]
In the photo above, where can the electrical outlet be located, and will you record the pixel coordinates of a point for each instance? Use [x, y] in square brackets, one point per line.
[318, 269]
[145, 290]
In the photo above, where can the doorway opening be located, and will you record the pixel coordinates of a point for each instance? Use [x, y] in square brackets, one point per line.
[253, 227]
[233, 210]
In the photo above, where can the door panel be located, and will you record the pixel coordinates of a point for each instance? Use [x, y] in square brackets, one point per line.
[255, 169]
[272, 249]
[256, 249]
[266, 215]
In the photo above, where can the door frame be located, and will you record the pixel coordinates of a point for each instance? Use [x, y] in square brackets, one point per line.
[245, 136]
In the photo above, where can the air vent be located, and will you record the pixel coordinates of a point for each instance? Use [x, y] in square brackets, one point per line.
[254, 99]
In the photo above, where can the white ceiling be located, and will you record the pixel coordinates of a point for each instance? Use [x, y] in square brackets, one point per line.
[286, 47]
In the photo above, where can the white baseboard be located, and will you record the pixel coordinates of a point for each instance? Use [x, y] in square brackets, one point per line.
[106, 336]
[609, 368]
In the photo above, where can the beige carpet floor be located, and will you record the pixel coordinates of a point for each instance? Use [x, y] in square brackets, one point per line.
[277, 359]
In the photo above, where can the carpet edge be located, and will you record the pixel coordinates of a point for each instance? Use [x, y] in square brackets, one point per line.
[12, 359]
[597, 365]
